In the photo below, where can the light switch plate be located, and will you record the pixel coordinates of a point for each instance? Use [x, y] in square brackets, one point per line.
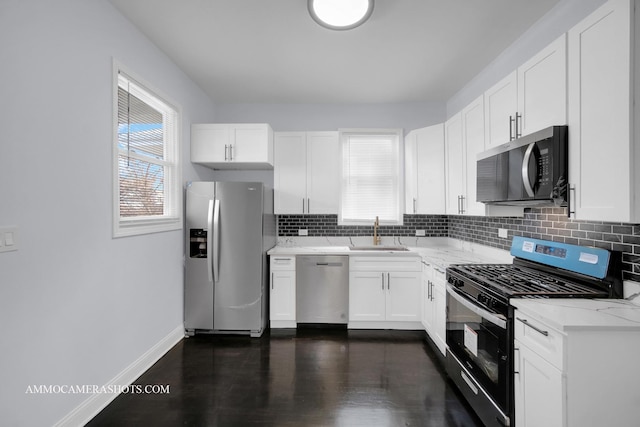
[420, 233]
[303, 232]
[8, 239]
[503, 233]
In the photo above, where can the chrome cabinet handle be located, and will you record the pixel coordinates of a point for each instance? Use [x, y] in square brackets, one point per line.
[526, 322]
[511, 120]
[388, 281]
[516, 370]
[226, 152]
[382, 274]
[569, 211]
[414, 205]
[518, 116]
[462, 205]
[271, 281]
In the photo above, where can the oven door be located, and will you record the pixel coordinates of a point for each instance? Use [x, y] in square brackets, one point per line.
[480, 340]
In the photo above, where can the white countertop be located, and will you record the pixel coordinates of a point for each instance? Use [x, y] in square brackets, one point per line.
[582, 314]
[441, 252]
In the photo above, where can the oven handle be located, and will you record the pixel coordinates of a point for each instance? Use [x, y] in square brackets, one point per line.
[496, 319]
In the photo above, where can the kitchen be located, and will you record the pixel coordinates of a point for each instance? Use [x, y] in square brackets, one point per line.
[70, 320]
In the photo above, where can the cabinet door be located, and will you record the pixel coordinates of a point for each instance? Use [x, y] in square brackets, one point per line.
[323, 172]
[367, 292]
[439, 330]
[251, 143]
[430, 170]
[454, 156]
[542, 89]
[600, 102]
[427, 302]
[538, 389]
[473, 135]
[500, 102]
[403, 296]
[410, 173]
[210, 143]
[282, 297]
[290, 173]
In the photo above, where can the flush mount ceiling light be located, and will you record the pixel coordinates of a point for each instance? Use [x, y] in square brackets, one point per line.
[340, 14]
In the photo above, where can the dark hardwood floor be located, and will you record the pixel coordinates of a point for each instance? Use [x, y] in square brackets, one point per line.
[309, 377]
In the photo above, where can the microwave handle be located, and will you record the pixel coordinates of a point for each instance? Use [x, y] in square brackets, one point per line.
[525, 170]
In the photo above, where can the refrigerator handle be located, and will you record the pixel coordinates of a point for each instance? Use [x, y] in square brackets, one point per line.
[210, 241]
[216, 240]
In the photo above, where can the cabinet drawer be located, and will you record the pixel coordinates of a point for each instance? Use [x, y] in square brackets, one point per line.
[283, 263]
[385, 263]
[539, 337]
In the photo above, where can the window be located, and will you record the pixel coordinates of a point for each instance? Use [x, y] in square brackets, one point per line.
[147, 193]
[371, 177]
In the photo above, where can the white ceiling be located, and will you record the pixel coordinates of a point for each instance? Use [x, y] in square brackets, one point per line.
[271, 51]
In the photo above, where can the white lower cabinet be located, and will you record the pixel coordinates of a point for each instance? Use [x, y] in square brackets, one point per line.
[575, 363]
[434, 307]
[538, 389]
[282, 292]
[384, 292]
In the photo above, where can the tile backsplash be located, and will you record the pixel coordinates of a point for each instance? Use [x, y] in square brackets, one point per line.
[327, 225]
[540, 223]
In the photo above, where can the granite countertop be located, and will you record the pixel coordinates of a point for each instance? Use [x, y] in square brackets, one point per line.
[441, 252]
[582, 314]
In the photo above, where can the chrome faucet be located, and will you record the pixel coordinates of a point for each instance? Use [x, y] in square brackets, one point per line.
[376, 238]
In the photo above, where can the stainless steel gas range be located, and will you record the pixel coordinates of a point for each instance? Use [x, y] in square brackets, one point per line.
[480, 320]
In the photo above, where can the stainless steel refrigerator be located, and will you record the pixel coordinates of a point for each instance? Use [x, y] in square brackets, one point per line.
[229, 228]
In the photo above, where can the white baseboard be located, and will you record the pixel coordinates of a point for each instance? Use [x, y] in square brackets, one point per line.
[88, 409]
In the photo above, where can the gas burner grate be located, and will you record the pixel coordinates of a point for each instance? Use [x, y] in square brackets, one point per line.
[516, 281]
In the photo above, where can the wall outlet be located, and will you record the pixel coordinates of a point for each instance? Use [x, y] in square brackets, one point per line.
[303, 232]
[420, 233]
[8, 239]
[503, 233]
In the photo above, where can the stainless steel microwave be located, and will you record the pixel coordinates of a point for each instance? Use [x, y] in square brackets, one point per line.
[528, 171]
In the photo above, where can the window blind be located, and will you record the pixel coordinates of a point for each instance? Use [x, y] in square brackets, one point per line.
[146, 130]
[371, 177]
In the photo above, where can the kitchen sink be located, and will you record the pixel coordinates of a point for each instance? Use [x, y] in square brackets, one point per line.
[378, 248]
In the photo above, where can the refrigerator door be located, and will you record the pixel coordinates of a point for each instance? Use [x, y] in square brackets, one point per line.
[238, 235]
[198, 283]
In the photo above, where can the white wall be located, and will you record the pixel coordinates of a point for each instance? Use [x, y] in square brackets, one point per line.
[76, 306]
[326, 117]
[557, 21]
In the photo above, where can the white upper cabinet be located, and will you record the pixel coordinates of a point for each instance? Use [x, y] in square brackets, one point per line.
[602, 150]
[425, 171]
[306, 173]
[232, 146]
[323, 172]
[542, 89]
[290, 172]
[531, 98]
[454, 160]
[500, 106]
[473, 137]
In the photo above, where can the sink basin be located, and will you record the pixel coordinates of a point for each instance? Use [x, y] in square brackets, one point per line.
[378, 248]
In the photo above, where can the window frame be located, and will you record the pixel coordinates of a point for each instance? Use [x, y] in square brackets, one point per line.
[172, 218]
[399, 139]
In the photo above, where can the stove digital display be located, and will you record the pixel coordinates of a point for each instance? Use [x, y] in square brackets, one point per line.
[552, 251]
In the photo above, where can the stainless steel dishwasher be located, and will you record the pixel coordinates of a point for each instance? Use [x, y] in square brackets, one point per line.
[322, 289]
